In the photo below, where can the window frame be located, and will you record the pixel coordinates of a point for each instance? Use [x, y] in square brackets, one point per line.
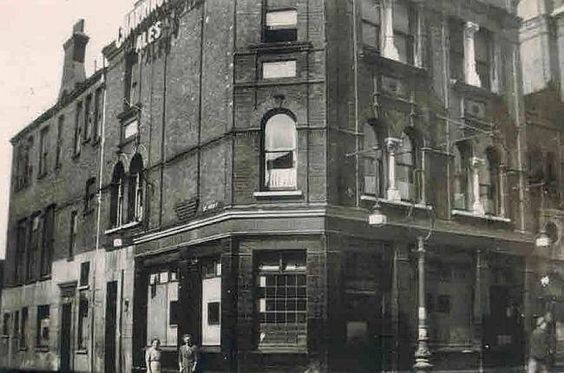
[90, 195]
[83, 320]
[39, 338]
[43, 151]
[270, 34]
[264, 297]
[58, 156]
[265, 184]
[98, 114]
[413, 172]
[77, 146]
[24, 320]
[73, 234]
[485, 66]
[375, 162]
[131, 81]
[88, 118]
[135, 192]
[47, 241]
[117, 196]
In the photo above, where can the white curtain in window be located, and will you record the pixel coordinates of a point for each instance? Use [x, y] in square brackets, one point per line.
[279, 152]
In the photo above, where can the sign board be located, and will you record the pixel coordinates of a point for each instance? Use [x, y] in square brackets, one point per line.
[133, 19]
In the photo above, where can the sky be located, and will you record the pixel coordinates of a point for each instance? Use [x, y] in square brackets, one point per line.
[32, 33]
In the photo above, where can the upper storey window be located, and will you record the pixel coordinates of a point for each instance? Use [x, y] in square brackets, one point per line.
[43, 150]
[117, 195]
[373, 155]
[390, 27]
[78, 129]
[131, 81]
[472, 54]
[483, 41]
[281, 25]
[280, 171]
[24, 168]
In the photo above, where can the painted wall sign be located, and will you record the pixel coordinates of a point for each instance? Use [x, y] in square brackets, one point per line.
[211, 205]
[134, 18]
[148, 36]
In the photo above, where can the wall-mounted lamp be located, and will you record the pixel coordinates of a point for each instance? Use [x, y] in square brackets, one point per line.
[376, 217]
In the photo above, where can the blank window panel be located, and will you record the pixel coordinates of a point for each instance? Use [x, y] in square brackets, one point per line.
[130, 129]
[279, 69]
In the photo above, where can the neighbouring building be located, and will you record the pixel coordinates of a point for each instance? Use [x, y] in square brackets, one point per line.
[542, 54]
[299, 184]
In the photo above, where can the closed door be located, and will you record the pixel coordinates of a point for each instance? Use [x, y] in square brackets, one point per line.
[111, 326]
[65, 343]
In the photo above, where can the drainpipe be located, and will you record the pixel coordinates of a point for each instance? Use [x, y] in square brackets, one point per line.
[98, 220]
[356, 128]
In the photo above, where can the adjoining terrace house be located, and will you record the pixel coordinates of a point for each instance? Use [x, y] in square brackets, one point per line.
[325, 184]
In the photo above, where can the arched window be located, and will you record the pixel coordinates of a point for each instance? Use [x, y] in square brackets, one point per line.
[373, 161]
[462, 187]
[406, 168]
[280, 171]
[135, 189]
[116, 202]
[490, 193]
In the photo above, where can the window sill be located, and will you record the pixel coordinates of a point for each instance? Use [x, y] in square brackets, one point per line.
[283, 46]
[278, 194]
[83, 287]
[42, 349]
[281, 349]
[402, 68]
[210, 349]
[123, 227]
[390, 202]
[468, 214]
[472, 90]
[81, 352]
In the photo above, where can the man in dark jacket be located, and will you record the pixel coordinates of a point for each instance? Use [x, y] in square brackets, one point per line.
[540, 348]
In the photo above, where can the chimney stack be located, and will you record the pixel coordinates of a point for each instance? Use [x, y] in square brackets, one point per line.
[73, 65]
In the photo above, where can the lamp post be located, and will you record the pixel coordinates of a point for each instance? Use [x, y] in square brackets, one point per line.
[422, 354]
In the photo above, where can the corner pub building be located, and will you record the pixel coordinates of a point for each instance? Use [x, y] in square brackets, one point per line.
[299, 184]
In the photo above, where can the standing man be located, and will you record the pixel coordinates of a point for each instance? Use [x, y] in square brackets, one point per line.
[540, 351]
[188, 355]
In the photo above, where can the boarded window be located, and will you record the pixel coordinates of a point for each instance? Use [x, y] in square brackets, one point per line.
[279, 69]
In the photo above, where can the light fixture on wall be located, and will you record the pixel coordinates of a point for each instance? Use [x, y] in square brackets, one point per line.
[376, 217]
